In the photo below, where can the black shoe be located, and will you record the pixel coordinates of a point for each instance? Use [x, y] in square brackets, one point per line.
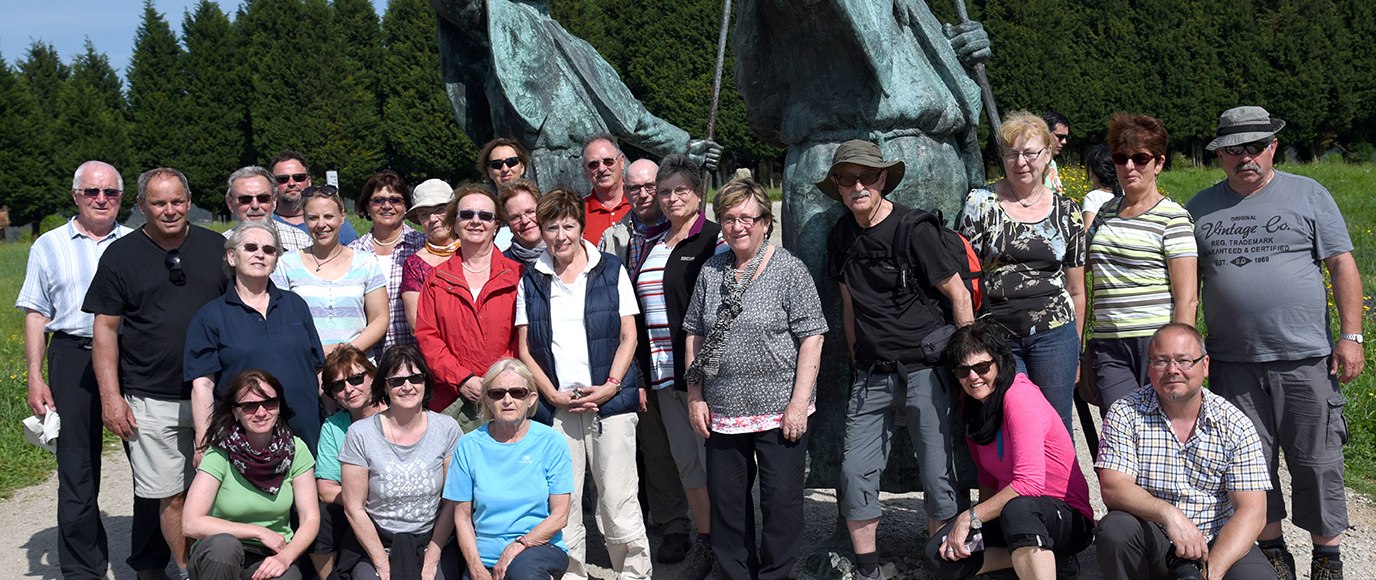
[1326, 568]
[1067, 566]
[699, 562]
[673, 548]
[1284, 563]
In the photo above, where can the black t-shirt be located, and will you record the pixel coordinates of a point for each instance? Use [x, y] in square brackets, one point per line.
[890, 321]
[133, 281]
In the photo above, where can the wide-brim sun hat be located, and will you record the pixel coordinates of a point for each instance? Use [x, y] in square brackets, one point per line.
[863, 153]
[430, 193]
[1241, 125]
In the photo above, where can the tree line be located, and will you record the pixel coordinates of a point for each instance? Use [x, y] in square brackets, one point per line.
[358, 91]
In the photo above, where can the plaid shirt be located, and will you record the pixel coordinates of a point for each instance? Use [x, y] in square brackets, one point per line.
[1222, 455]
[398, 331]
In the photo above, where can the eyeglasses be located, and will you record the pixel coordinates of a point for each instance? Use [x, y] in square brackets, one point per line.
[518, 218]
[1184, 364]
[848, 180]
[1028, 156]
[745, 221]
[1138, 159]
[268, 249]
[332, 388]
[321, 190]
[263, 199]
[95, 192]
[980, 368]
[680, 192]
[381, 201]
[252, 407]
[482, 215]
[1061, 136]
[517, 393]
[648, 188]
[1252, 148]
[605, 162]
[173, 262]
[297, 177]
[508, 162]
[397, 382]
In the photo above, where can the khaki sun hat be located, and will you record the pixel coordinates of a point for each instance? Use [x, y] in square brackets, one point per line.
[861, 152]
[430, 193]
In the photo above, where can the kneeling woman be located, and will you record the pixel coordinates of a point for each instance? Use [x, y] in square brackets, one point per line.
[511, 478]
[253, 473]
[1034, 502]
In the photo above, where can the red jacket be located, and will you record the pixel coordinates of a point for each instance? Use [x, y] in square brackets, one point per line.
[459, 337]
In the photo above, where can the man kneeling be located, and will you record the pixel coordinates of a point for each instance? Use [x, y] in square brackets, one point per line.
[1182, 474]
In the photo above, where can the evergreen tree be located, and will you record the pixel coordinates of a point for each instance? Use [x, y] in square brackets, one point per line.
[26, 170]
[282, 45]
[348, 101]
[45, 74]
[423, 140]
[215, 141]
[1309, 56]
[157, 96]
[91, 122]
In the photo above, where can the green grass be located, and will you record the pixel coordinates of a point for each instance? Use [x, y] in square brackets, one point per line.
[21, 464]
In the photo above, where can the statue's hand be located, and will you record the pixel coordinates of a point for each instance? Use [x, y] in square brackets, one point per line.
[705, 152]
[970, 42]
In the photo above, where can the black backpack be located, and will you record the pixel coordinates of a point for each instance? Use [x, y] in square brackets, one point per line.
[952, 241]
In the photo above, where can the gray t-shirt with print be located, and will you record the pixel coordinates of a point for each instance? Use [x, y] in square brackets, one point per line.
[404, 481]
[1260, 263]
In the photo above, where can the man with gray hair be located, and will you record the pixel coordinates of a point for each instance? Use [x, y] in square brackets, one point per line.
[146, 289]
[61, 264]
[1274, 354]
[251, 197]
[606, 204]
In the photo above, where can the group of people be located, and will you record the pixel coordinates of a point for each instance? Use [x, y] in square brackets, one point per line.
[298, 399]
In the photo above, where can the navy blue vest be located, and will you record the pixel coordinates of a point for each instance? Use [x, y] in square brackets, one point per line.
[601, 321]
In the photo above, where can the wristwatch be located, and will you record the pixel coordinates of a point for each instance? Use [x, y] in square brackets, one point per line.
[975, 524]
[1357, 338]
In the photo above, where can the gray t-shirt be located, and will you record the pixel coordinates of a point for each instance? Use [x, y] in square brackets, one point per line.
[1260, 263]
[404, 481]
[781, 308]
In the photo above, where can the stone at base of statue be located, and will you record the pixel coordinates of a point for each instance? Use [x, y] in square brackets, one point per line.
[825, 564]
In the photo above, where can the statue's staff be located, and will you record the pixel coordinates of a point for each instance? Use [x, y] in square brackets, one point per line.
[981, 78]
[721, 63]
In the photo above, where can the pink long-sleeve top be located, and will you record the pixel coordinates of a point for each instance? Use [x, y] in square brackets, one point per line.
[1032, 452]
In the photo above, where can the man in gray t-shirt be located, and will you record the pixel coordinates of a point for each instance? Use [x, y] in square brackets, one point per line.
[1264, 238]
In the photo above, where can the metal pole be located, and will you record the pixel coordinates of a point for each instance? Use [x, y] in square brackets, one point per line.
[716, 86]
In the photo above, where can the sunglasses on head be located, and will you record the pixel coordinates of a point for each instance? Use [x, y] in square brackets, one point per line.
[263, 199]
[979, 368]
[517, 393]
[173, 262]
[508, 162]
[297, 177]
[315, 190]
[252, 407]
[94, 192]
[863, 178]
[1138, 159]
[332, 388]
[268, 249]
[1252, 148]
[482, 215]
[605, 161]
[415, 379]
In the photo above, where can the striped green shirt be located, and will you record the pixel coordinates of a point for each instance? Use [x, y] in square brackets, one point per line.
[1128, 256]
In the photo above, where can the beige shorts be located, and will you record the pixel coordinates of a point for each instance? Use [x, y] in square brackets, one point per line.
[161, 449]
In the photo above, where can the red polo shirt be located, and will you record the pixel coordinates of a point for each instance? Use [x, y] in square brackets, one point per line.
[598, 218]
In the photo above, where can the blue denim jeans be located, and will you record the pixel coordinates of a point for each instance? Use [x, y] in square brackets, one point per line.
[1050, 359]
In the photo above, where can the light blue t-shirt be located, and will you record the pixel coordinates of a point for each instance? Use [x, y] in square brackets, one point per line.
[336, 305]
[509, 484]
[332, 434]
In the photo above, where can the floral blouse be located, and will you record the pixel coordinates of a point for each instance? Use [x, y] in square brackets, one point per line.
[1024, 263]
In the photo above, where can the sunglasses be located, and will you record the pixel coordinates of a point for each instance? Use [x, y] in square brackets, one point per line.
[508, 162]
[173, 262]
[297, 177]
[332, 388]
[321, 190]
[517, 393]
[605, 161]
[483, 215]
[1252, 148]
[381, 201]
[863, 178]
[252, 407]
[95, 192]
[395, 382]
[1138, 159]
[980, 368]
[263, 199]
[1061, 136]
[268, 249]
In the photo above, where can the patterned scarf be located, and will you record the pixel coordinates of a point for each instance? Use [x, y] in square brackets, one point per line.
[523, 254]
[442, 251]
[265, 468]
[708, 362]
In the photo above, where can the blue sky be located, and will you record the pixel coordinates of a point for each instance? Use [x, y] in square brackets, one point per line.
[110, 24]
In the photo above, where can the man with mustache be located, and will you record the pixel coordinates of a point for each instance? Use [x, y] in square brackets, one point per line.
[1273, 350]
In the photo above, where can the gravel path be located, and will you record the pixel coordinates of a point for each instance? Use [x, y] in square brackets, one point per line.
[29, 515]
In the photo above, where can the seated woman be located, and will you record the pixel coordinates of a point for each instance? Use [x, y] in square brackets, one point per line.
[510, 511]
[1034, 502]
[348, 378]
[252, 476]
[393, 466]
